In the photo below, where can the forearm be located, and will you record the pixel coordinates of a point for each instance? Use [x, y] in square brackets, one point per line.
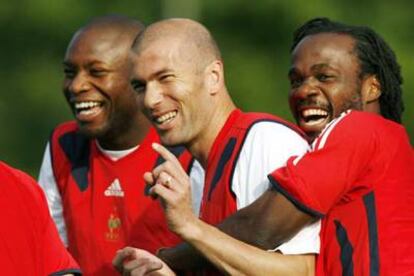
[266, 223]
[237, 258]
[183, 257]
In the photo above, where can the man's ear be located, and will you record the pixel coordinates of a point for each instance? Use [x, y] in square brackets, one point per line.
[371, 90]
[214, 76]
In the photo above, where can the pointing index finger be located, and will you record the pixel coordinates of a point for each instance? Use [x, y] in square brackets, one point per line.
[165, 153]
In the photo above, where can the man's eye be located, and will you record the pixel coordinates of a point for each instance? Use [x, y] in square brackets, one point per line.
[323, 77]
[295, 83]
[97, 72]
[69, 73]
[166, 77]
[138, 86]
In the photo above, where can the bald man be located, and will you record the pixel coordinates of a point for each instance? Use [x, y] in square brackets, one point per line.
[178, 74]
[93, 166]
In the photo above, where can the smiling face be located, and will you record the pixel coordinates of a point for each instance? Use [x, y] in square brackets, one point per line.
[96, 83]
[324, 79]
[172, 85]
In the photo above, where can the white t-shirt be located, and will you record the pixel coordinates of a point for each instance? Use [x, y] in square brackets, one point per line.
[268, 146]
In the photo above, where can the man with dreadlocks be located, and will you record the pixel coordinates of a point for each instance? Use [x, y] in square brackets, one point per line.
[357, 177]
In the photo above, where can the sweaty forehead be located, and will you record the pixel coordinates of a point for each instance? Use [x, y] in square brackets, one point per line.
[326, 48]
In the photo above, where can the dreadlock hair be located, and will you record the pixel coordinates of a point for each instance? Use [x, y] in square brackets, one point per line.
[375, 58]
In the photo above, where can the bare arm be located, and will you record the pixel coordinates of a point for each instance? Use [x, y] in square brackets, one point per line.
[266, 223]
[233, 257]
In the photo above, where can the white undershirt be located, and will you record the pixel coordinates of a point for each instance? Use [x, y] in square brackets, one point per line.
[115, 155]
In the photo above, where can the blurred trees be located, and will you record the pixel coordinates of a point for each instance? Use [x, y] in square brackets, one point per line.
[254, 37]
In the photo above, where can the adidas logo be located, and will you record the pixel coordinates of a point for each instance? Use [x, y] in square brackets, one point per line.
[114, 189]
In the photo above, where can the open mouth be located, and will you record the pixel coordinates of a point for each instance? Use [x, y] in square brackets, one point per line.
[85, 110]
[314, 116]
[166, 118]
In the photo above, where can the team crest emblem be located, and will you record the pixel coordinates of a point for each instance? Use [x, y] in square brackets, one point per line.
[114, 225]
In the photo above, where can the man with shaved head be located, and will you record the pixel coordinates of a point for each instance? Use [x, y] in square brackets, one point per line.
[93, 166]
[178, 75]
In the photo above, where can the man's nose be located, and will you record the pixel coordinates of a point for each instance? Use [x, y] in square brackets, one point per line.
[153, 96]
[79, 83]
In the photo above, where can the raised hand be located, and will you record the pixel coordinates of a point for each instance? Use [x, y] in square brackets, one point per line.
[172, 184]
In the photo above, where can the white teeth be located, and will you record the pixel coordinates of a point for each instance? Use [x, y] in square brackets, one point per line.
[86, 112]
[314, 112]
[166, 117]
[83, 105]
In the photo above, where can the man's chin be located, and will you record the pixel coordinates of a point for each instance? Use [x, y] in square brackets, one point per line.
[169, 141]
[312, 131]
[91, 132]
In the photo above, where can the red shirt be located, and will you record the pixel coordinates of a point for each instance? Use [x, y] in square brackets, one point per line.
[104, 202]
[359, 176]
[29, 243]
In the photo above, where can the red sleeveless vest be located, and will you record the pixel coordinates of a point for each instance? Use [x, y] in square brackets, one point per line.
[104, 203]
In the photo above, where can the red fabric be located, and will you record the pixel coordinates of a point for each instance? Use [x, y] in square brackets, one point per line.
[99, 225]
[359, 158]
[222, 202]
[29, 243]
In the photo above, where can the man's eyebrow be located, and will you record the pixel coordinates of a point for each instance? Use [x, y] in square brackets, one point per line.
[321, 66]
[90, 63]
[162, 71]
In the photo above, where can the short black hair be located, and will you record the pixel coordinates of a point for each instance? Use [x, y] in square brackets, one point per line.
[375, 58]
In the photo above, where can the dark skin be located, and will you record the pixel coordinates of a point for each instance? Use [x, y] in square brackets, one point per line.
[324, 77]
[96, 86]
[266, 223]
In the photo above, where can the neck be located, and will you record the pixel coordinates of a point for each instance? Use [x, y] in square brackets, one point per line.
[127, 138]
[373, 107]
[201, 147]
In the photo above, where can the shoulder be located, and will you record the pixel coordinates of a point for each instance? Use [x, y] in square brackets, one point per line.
[16, 180]
[274, 122]
[8, 172]
[68, 126]
[275, 134]
[363, 122]
[68, 137]
[271, 144]
[65, 127]
[357, 127]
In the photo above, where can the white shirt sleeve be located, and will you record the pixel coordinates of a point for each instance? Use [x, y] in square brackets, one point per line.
[197, 175]
[48, 183]
[268, 146]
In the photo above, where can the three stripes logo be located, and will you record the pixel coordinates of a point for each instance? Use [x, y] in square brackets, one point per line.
[114, 189]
